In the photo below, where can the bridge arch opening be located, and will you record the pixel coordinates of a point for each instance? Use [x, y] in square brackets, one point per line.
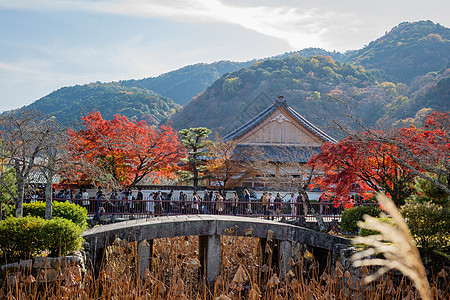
[210, 228]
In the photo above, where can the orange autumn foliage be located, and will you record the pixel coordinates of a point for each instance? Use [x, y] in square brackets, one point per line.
[358, 166]
[384, 161]
[127, 151]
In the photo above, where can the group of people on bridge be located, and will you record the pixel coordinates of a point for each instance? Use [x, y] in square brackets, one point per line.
[156, 203]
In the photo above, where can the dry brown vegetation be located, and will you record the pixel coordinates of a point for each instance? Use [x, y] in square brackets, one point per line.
[175, 275]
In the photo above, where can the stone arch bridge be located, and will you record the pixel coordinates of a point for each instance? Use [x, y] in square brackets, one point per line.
[209, 228]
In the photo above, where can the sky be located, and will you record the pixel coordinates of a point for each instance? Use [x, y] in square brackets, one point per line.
[48, 44]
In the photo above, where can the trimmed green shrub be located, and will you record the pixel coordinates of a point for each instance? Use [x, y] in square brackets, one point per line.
[366, 232]
[429, 224]
[22, 238]
[351, 216]
[61, 236]
[66, 210]
[19, 237]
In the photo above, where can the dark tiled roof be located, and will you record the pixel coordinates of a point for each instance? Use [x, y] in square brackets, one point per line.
[277, 153]
[280, 102]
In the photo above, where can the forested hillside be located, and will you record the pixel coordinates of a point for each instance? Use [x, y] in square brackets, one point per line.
[68, 104]
[309, 85]
[425, 94]
[313, 52]
[407, 50]
[149, 99]
[183, 84]
[396, 79]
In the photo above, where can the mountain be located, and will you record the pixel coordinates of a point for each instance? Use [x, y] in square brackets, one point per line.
[425, 94]
[68, 104]
[183, 84]
[145, 99]
[396, 77]
[407, 50]
[309, 84]
[152, 99]
[313, 52]
[393, 78]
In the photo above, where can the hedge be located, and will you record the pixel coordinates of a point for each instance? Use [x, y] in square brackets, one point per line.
[367, 232]
[66, 210]
[429, 224]
[61, 236]
[351, 216]
[23, 238]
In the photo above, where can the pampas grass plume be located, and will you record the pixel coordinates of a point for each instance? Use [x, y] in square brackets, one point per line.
[396, 245]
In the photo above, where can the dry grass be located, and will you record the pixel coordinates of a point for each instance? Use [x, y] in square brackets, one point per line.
[175, 275]
[396, 246]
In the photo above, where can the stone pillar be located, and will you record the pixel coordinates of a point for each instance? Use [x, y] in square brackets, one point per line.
[97, 256]
[285, 254]
[262, 249]
[209, 256]
[145, 249]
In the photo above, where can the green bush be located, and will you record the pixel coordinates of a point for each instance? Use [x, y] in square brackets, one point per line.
[351, 216]
[66, 210]
[366, 232]
[19, 237]
[429, 224]
[22, 238]
[61, 236]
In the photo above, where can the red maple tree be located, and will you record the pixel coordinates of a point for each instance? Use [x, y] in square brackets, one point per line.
[385, 161]
[124, 151]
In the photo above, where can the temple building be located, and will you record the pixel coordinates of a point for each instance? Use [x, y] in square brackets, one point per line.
[283, 138]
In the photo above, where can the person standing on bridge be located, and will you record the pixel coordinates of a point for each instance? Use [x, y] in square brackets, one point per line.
[85, 197]
[211, 203]
[113, 202]
[218, 200]
[140, 201]
[159, 202]
[170, 202]
[246, 205]
[99, 209]
[234, 200]
[264, 200]
[293, 201]
[185, 203]
[181, 206]
[278, 204]
[205, 203]
[271, 200]
[130, 200]
[150, 204]
[195, 202]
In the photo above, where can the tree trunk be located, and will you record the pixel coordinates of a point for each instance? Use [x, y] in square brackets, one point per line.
[312, 210]
[48, 200]
[195, 176]
[448, 181]
[19, 198]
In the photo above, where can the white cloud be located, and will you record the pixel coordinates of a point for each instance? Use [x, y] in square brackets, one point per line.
[35, 61]
[300, 27]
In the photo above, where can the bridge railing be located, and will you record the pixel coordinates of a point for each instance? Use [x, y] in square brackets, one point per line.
[122, 208]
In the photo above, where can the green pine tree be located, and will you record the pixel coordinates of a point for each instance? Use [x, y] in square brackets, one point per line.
[196, 142]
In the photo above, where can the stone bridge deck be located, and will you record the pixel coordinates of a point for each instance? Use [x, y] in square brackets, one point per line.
[191, 225]
[209, 228]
